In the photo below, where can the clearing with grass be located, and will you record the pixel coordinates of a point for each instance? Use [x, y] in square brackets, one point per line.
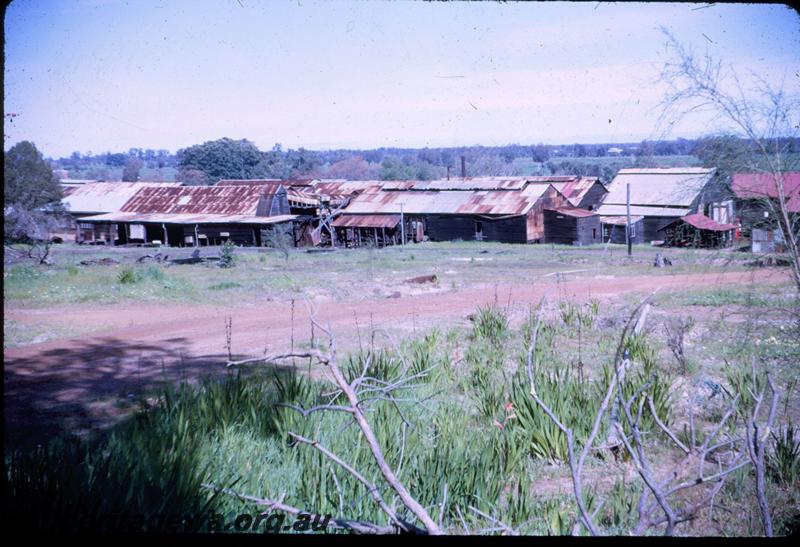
[474, 398]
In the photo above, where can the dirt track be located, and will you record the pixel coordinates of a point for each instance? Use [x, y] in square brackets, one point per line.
[136, 345]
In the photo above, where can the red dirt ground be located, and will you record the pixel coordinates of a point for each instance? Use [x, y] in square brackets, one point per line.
[61, 383]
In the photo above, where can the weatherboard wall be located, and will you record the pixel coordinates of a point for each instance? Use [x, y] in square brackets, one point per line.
[563, 229]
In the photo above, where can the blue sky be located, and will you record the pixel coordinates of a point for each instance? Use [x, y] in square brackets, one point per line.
[109, 75]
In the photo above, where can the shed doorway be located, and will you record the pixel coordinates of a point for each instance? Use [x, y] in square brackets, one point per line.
[478, 230]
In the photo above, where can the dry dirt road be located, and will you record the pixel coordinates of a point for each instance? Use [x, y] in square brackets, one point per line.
[69, 382]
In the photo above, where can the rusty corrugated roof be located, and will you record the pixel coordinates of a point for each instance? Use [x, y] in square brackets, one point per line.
[573, 188]
[106, 197]
[757, 186]
[464, 184]
[455, 202]
[366, 221]
[287, 183]
[199, 200]
[346, 187]
[167, 218]
[702, 222]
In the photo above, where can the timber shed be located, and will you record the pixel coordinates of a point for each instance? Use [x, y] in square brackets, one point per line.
[614, 229]
[92, 198]
[698, 230]
[571, 226]
[756, 199]
[659, 196]
[479, 209]
[199, 215]
[582, 192]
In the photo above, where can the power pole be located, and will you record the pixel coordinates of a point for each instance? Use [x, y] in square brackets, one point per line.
[402, 226]
[628, 223]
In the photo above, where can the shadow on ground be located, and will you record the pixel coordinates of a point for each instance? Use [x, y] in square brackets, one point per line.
[90, 386]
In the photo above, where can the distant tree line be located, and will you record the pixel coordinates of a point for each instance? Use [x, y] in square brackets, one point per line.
[236, 159]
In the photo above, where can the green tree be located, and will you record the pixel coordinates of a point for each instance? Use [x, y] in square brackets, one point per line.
[29, 181]
[130, 173]
[394, 169]
[223, 159]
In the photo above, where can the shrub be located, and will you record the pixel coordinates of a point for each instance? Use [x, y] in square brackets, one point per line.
[227, 259]
[784, 461]
[574, 315]
[224, 285]
[576, 401]
[127, 276]
[490, 323]
[154, 273]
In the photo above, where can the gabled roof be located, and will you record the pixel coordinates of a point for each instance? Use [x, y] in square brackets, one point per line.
[573, 189]
[106, 197]
[756, 186]
[672, 187]
[199, 200]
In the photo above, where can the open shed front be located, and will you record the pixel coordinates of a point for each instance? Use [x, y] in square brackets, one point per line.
[371, 230]
[614, 229]
[698, 230]
[187, 235]
[177, 231]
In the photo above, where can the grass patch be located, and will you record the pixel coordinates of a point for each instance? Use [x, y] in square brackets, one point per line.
[469, 423]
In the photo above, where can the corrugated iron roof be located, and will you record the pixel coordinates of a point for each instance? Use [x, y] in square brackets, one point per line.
[331, 187]
[287, 183]
[756, 186]
[607, 209]
[702, 222]
[575, 190]
[106, 197]
[676, 187]
[199, 200]
[473, 202]
[481, 183]
[572, 212]
[464, 184]
[366, 221]
[167, 218]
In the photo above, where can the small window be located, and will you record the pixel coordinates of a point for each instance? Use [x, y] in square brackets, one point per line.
[633, 231]
[594, 233]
